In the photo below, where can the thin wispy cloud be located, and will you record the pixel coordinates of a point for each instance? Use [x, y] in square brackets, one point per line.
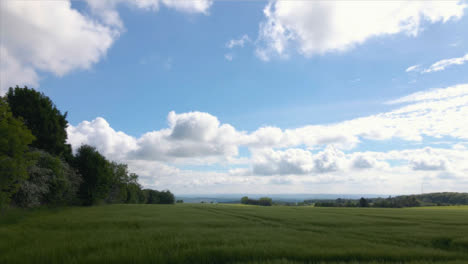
[238, 42]
[228, 56]
[413, 68]
[443, 64]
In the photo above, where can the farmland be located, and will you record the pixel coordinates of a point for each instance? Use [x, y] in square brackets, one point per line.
[216, 233]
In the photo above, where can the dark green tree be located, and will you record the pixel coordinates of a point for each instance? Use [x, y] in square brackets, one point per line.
[97, 175]
[14, 141]
[51, 182]
[244, 200]
[157, 197]
[166, 197]
[363, 202]
[120, 180]
[265, 201]
[43, 118]
[135, 192]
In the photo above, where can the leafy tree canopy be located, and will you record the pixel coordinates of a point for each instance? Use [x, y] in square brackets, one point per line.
[42, 117]
[14, 141]
[97, 175]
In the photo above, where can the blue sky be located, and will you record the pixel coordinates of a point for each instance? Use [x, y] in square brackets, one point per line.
[158, 57]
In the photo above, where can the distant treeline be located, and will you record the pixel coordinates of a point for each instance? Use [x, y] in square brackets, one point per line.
[37, 166]
[429, 199]
[264, 201]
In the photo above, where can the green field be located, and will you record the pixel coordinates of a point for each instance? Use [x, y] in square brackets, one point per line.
[205, 233]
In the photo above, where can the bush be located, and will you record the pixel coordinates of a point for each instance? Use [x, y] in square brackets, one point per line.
[51, 182]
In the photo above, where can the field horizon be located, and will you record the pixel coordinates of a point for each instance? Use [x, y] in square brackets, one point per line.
[235, 233]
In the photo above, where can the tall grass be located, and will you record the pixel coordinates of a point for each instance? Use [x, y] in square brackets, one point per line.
[234, 234]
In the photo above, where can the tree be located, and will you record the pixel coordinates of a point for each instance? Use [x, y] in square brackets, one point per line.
[97, 175]
[244, 200]
[119, 181]
[166, 197]
[134, 192]
[265, 201]
[363, 202]
[14, 141]
[43, 118]
[157, 197]
[51, 182]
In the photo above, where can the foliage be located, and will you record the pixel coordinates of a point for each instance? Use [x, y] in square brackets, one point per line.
[159, 197]
[14, 141]
[118, 185]
[56, 177]
[43, 118]
[97, 175]
[51, 182]
[264, 201]
[134, 191]
[444, 198]
[363, 202]
[396, 202]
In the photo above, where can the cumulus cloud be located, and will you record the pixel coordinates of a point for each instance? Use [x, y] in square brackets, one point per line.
[52, 37]
[194, 137]
[113, 144]
[318, 27]
[360, 161]
[429, 164]
[433, 113]
[49, 37]
[295, 161]
[12, 73]
[314, 154]
[106, 10]
[442, 64]
[193, 134]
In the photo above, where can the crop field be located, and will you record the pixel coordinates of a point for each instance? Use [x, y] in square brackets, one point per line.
[215, 233]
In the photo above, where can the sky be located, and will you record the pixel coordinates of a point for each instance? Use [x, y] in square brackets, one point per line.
[255, 97]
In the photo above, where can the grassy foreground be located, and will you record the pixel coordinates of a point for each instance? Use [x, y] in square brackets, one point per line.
[234, 234]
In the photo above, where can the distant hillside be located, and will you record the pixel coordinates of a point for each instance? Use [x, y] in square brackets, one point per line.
[443, 198]
[428, 199]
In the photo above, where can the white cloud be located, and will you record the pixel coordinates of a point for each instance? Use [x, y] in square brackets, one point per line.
[307, 155]
[49, 37]
[52, 37]
[442, 64]
[360, 161]
[193, 137]
[12, 73]
[228, 56]
[317, 27]
[189, 6]
[106, 10]
[238, 42]
[429, 164]
[201, 137]
[113, 144]
[413, 68]
[451, 92]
